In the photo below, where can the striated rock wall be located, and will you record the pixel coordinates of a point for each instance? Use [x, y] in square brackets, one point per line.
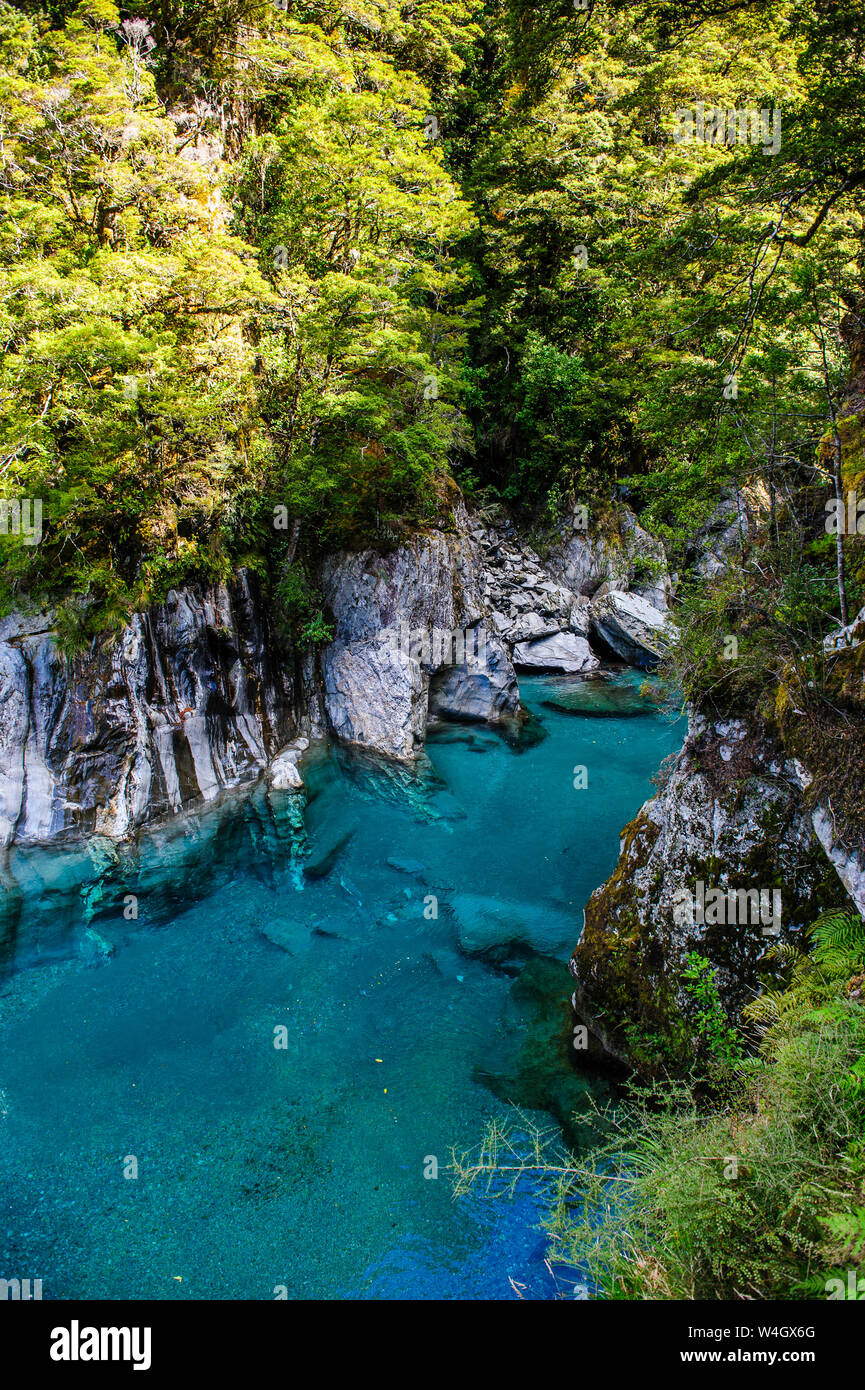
[382, 680]
[191, 699]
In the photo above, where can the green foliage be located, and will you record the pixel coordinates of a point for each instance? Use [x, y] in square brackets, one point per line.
[328, 259]
[718, 1040]
[166, 376]
[834, 966]
[126, 370]
[757, 1193]
[302, 607]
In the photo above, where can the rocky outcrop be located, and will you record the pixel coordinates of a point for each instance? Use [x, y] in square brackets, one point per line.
[589, 560]
[699, 868]
[284, 773]
[411, 642]
[191, 699]
[534, 600]
[435, 628]
[723, 537]
[844, 639]
[632, 627]
[847, 860]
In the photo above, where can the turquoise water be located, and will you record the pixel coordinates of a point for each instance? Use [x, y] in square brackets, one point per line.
[148, 1042]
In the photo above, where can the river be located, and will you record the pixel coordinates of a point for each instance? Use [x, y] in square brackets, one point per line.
[234, 1054]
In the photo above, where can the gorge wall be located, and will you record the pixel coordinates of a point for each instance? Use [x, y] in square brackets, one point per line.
[199, 695]
[731, 815]
[190, 699]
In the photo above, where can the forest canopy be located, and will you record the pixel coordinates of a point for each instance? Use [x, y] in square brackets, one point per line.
[330, 264]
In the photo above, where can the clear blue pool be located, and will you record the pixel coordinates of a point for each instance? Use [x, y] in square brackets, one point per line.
[303, 1166]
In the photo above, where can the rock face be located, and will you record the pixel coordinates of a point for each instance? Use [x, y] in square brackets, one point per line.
[844, 639]
[533, 600]
[847, 860]
[375, 696]
[434, 629]
[628, 623]
[411, 641]
[624, 557]
[723, 537]
[848, 864]
[191, 699]
[731, 817]
[487, 691]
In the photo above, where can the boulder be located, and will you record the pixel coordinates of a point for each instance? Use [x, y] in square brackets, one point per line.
[580, 618]
[484, 690]
[531, 627]
[375, 696]
[284, 773]
[497, 928]
[563, 651]
[636, 631]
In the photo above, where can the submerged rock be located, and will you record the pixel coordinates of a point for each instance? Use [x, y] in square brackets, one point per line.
[498, 929]
[547, 1071]
[290, 934]
[601, 699]
[408, 866]
[325, 856]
